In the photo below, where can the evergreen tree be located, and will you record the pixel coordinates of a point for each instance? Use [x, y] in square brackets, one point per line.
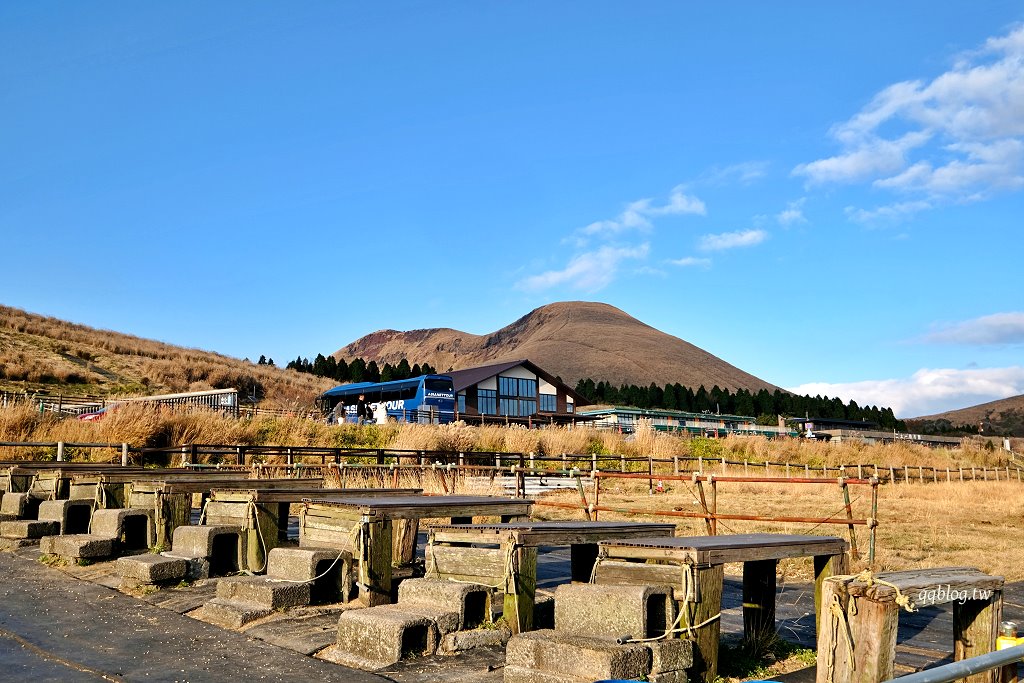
[357, 370]
[402, 370]
[372, 372]
[262, 360]
[341, 373]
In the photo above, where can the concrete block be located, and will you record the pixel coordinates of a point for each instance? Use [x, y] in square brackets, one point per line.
[80, 546]
[636, 611]
[196, 568]
[13, 505]
[28, 528]
[134, 528]
[377, 637]
[569, 654]
[460, 641]
[671, 654]
[150, 568]
[222, 546]
[472, 602]
[73, 516]
[679, 676]
[302, 564]
[263, 592]
[516, 674]
[231, 613]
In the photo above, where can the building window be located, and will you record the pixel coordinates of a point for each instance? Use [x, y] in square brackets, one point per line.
[548, 403]
[527, 407]
[528, 388]
[509, 406]
[487, 401]
[462, 404]
[569, 407]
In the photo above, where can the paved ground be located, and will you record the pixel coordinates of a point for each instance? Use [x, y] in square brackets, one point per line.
[54, 627]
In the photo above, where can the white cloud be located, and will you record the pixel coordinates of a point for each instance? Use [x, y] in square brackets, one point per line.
[958, 137]
[996, 329]
[927, 391]
[589, 271]
[743, 173]
[690, 261]
[793, 213]
[732, 240]
[892, 213]
[637, 215]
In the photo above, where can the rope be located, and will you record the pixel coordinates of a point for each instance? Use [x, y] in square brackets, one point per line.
[315, 578]
[837, 616]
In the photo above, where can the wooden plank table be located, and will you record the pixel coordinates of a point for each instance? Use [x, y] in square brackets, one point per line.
[449, 557]
[171, 499]
[694, 567]
[264, 513]
[111, 488]
[364, 526]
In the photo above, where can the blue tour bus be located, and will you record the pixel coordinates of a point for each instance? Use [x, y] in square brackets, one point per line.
[427, 399]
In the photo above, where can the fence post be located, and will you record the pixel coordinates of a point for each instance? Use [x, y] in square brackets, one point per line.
[906, 474]
[60, 451]
[593, 463]
[920, 473]
[124, 455]
[700, 463]
[892, 475]
[675, 464]
[860, 471]
[947, 475]
[746, 468]
[622, 464]
[807, 471]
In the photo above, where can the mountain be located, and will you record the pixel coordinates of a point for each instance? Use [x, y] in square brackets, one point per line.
[42, 354]
[1002, 417]
[573, 340]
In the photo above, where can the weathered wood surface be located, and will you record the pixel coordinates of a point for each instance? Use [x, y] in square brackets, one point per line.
[424, 507]
[864, 617]
[975, 629]
[927, 587]
[547, 533]
[279, 494]
[724, 549]
[479, 565]
[203, 485]
[521, 592]
[824, 567]
[617, 572]
[702, 616]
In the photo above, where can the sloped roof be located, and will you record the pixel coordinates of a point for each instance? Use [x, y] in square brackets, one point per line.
[471, 376]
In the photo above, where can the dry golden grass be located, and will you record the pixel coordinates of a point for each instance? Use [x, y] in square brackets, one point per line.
[974, 524]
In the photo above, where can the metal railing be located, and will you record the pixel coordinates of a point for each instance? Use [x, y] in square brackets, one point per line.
[967, 667]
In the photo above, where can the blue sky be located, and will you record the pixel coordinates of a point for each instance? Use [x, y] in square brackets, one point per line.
[828, 196]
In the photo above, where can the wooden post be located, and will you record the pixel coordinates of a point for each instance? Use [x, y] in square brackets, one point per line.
[404, 548]
[975, 628]
[714, 506]
[870, 628]
[622, 463]
[709, 603]
[906, 474]
[824, 567]
[124, 455]
[892, 475]
[849, 515]
[60, 451]
[704, 504]
[375, 561]
[521, 589]
[759, 601]
[807, 471]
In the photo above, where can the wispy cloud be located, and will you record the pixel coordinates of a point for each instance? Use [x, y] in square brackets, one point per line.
[927, 391]
[891, 213]
[589, 271]
[958, 137]
[732, 240]
[638, 215]
[989, 330]
[690, 262]
[793, 213]
[743, 173]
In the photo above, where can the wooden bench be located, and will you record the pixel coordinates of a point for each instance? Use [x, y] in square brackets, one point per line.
[448, 556]
[693, 566]
[858, 641]
[364, 526]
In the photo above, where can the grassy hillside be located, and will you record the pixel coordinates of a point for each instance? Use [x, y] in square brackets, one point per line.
[38, 353]
[1002, 417]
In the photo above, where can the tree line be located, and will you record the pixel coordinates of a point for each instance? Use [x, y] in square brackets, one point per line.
[359, 370]
[764, 405]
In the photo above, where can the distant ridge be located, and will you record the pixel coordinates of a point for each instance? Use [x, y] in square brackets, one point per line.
[572, 339]
[1005, 416]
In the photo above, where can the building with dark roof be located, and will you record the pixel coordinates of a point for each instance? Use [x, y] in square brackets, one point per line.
[513, 392]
